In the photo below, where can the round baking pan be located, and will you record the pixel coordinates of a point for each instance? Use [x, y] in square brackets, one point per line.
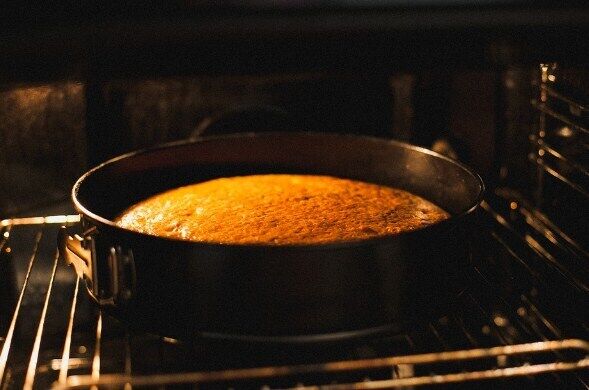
[283, 293]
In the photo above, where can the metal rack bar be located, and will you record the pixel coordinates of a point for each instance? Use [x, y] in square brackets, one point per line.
[489, 320]
[96, 359]
[51, 219]
[550, 229]
[511, 372]
[566, 273]
[546, 109]
[128, 363]
[10, 334]
[31, 370]
[554, 93]
[438, 337]
[465, 331]
[541, 143]
[549, 325]
[553, 172]
[78, 382]
[65, 357]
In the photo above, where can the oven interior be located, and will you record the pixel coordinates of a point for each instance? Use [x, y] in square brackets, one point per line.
[522, 124]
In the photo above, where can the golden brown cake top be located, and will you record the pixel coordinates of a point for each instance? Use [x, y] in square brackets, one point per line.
[280, 209]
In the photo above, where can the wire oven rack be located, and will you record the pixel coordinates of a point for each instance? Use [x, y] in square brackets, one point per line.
[524, 336]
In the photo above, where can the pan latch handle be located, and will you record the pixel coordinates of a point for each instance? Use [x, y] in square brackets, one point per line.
[72, 250]
[111, 286]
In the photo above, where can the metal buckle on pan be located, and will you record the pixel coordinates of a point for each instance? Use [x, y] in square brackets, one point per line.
[80, 252]
[123, 277]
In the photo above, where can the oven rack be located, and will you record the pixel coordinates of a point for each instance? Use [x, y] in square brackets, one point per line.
[516, 339]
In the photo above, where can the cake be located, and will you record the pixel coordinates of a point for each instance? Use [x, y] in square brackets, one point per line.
[280, 209]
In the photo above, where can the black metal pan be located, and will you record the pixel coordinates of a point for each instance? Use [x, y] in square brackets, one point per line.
[277, 293]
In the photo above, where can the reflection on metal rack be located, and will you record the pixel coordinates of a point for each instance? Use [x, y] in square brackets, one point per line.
[51, 219]
[67, 370]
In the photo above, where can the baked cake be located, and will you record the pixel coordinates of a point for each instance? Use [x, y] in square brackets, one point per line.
[280, 209]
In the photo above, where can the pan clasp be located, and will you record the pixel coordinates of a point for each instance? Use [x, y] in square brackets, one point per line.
[122, 274]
